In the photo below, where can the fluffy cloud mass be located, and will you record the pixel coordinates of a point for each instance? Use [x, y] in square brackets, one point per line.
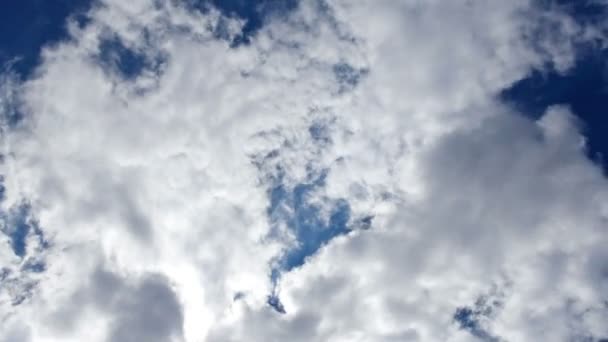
[349, 173]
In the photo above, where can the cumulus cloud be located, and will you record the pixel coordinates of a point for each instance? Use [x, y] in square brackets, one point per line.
[348, 174]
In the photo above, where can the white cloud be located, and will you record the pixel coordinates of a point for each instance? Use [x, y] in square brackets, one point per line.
[157, 213]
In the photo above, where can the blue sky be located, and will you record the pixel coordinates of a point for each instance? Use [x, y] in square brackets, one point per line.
[318, 169]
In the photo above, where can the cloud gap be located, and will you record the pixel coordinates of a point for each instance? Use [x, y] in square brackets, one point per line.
[127, 62]
[583, 88]
[300, 214]
[475, 319]
[46, 24]
[255, 14]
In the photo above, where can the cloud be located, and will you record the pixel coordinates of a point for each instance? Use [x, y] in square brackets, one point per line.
[149, 312]
[352, 163]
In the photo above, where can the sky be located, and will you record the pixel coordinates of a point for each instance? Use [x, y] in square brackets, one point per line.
[289, 170]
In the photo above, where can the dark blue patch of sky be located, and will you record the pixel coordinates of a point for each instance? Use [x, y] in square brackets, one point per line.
[19, 225]
[470, 318]
[254, 12]
[583, 88]
[27, 25]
